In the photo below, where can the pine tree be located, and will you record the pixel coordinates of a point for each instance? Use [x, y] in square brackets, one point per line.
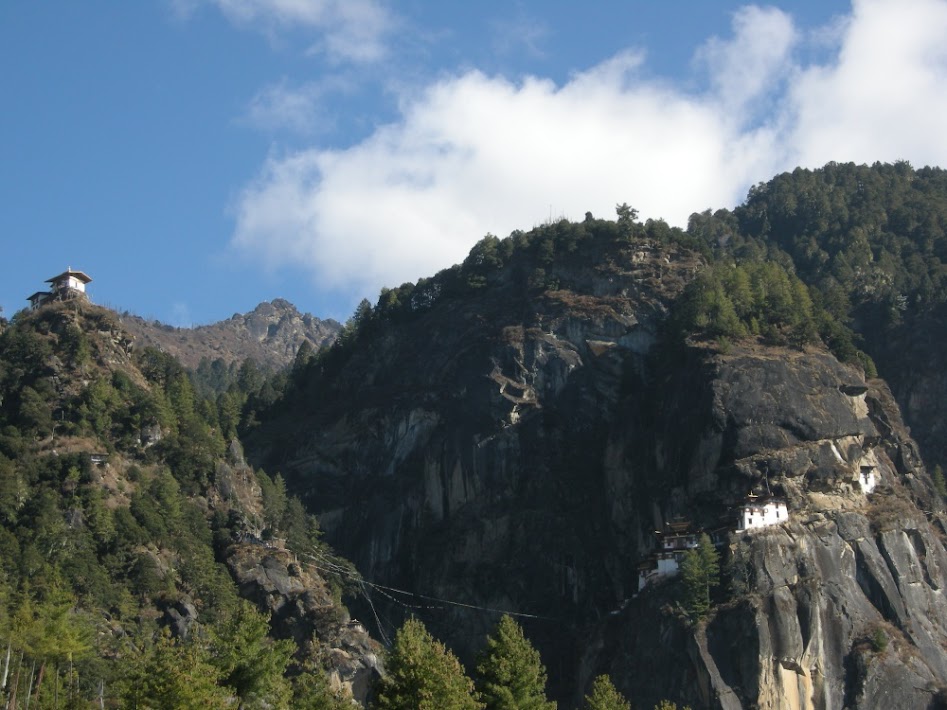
[939, 484]
[700, 572]
[424, 675]
[510, 674]
[251, 662]
[604, 696]
[311, 691]
[172, 674]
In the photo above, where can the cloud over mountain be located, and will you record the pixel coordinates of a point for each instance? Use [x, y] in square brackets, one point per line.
[471, 153]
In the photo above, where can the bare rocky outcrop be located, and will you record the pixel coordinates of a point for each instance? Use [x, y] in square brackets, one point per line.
[302, 607]
[270, 334]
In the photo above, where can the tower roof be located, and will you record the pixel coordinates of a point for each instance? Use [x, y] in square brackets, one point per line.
[82, 276]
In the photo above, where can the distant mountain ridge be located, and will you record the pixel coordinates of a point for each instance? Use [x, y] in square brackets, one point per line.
[270, 334]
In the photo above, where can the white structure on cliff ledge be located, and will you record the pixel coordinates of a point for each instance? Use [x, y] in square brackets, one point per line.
[867, 479]
[68, 284]
[761, 512]
[673, 543]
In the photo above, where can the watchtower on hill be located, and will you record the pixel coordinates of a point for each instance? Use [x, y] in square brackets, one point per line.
[62, 287]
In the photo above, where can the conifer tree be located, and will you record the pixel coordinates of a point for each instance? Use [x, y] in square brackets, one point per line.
[173, 674]
[604, 696]
[311, 691]
[424, 675]
[251, 662]
[939, 484]
[510, 674]
[700, 572]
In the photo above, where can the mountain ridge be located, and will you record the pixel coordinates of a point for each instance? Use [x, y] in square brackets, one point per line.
[271, 334]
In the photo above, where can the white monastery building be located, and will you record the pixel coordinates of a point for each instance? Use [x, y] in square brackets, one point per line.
[760, 512]
[677, 539]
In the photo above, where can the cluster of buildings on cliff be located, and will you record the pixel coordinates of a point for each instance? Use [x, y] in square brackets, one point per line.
[755, 513]
[678, 537]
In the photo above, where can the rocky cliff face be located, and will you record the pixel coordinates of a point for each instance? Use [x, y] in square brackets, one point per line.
[302, 608]
[289, 586]
[270, 334]
[910, 357]
[841, 606]
[516, 450]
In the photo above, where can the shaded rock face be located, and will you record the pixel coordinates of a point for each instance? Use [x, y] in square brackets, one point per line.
[270, 334]
[518, 452]
[910, 358]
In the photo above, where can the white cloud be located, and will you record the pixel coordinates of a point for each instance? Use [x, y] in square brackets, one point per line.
[300, 109]
[474, 154]
[753, 63]
[520, 33]
[477, 154]
[350, 30]
[885, 95]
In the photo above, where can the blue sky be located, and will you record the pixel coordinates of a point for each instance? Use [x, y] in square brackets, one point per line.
[196, 157]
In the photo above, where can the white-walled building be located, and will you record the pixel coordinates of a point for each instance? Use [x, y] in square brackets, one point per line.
[68, 284]
[676, 540]
[39, 298]
[760, 512]
[867, 479]
[69, 280]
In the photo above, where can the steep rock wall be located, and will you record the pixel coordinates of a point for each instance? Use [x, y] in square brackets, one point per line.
[843, 605]
[518, 451]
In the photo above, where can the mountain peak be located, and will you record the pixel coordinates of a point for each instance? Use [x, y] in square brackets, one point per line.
[270, 334]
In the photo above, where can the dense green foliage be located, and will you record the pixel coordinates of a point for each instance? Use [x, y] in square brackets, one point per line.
[940, 485]
[875, 234]
[753, 298]
[107, 459]
[510, 674]
[869, 242]
[173, 674]
[700, 573]
[604, 696]
[424, 675]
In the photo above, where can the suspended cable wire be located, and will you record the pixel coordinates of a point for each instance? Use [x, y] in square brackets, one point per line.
[381, 588]
[381, 628]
